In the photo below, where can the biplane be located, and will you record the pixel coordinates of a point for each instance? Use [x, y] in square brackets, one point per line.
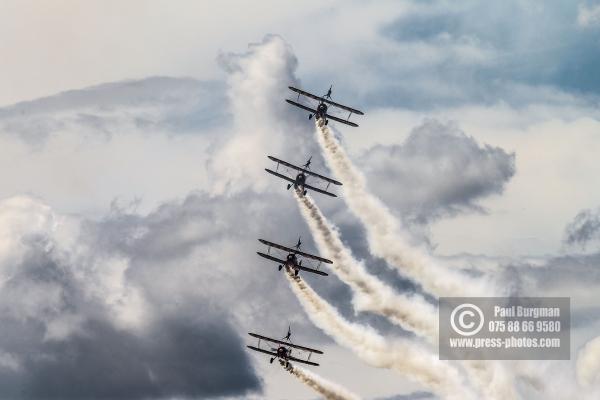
[299, 182]
[320, 112]
[293, 259]
[282, 349]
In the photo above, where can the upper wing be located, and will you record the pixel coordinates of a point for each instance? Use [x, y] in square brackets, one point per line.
[333, 103]
[302, 106]
[312, 270]
[343, 121]
[343, 107]
[303, 93]
[303, 361]
[319, 190]
[287, 178]
[287, 164]
[268, 339]
[290, 250]
[277, 246]
[268, 257]
[307, 172]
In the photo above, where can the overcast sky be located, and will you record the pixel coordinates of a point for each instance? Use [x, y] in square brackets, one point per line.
[133, 142]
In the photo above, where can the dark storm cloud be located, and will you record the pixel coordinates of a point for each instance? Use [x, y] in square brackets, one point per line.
[437, 171]
[59, 323]
[191, 357]
[486, 52]
[584, 228]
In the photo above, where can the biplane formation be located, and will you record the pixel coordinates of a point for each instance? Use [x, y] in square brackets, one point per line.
[291, 258]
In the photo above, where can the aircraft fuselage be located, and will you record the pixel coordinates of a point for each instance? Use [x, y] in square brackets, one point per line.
[299, 183]
[291, 262]
[321, 112]
[283, 354]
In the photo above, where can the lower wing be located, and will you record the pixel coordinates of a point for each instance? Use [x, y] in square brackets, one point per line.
[268, 257]
[319, 190]
[343, 121]
[303, 361]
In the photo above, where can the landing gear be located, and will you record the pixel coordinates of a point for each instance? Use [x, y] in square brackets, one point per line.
[289, 186]
[305, 192]
[281, 266]
[309, 116]
[326, 121]
[296, 273]
[271, 361]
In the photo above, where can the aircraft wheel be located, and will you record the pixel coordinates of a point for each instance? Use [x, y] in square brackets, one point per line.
[281, 266]
[296, 273]
[326, 122]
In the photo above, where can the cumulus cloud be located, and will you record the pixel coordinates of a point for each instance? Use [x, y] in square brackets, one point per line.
[438, 170]
[78, 321]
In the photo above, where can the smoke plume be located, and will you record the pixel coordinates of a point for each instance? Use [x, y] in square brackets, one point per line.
[412, 313]
[407, 358]
[329, 390]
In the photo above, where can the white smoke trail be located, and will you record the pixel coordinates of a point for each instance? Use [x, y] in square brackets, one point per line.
[407, 358]
[387, 241]
[412, 313]
[329, 390]
[383, 229]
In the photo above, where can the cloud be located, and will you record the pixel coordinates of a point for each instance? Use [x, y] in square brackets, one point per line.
[79, 322]
[584, 228]
[155, 104]
[125, 279]
[173, 358]
[439, 171]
